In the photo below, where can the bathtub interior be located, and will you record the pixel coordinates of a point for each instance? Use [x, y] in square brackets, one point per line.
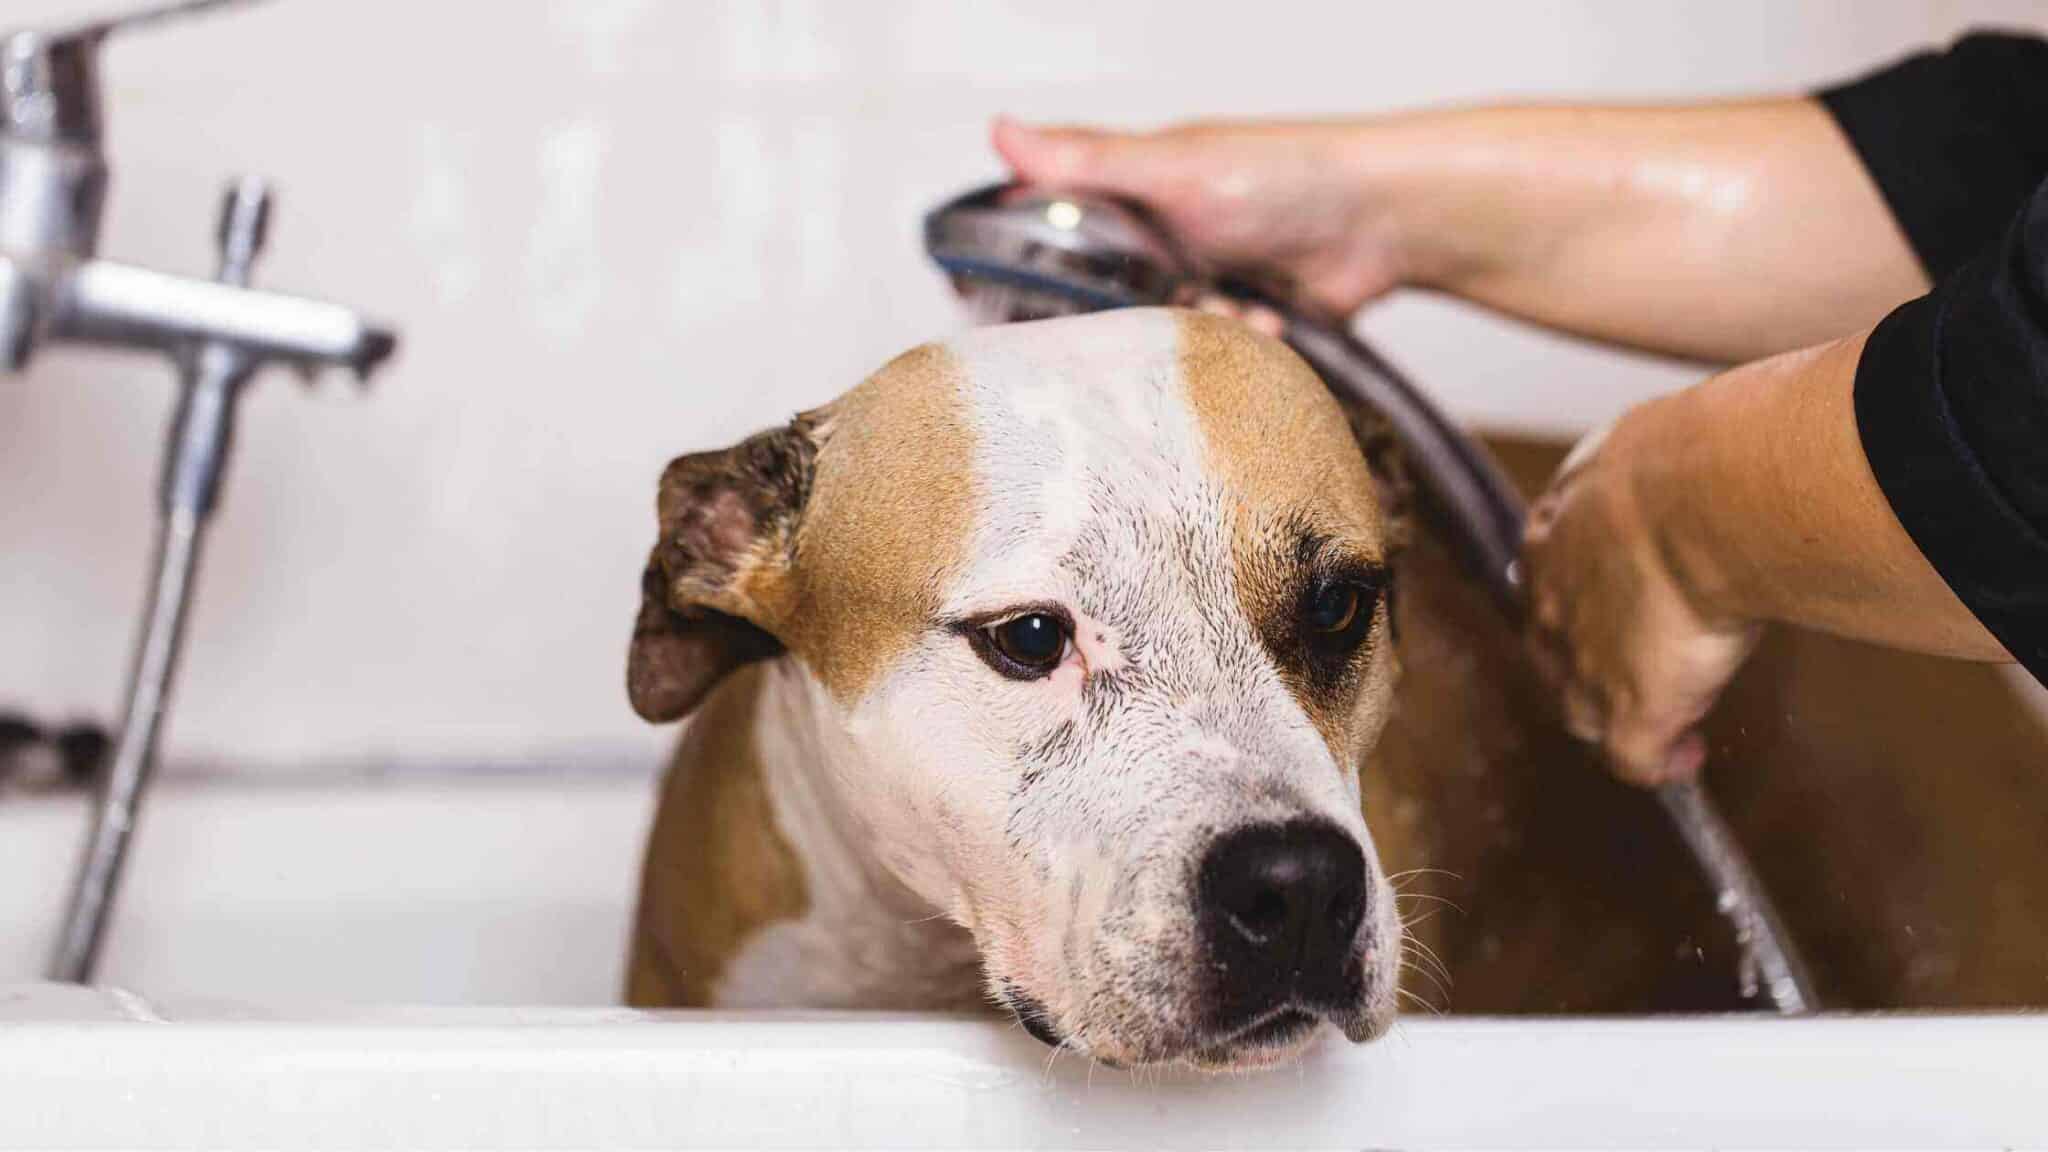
[431, 886]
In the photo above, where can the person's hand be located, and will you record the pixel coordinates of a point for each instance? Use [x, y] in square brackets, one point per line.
[1277, 199]
[1667, 541]
[1615, 623]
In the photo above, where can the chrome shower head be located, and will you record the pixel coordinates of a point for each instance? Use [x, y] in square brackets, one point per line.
[1017, 252]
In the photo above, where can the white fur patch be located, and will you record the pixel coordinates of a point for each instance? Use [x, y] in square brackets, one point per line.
[864, 942]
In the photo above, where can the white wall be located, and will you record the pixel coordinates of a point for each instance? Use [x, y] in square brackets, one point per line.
[615, 230]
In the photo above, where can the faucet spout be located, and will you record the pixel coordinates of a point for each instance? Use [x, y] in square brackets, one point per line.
[103, 302]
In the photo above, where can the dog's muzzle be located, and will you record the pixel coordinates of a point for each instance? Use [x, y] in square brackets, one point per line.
[1278, 909]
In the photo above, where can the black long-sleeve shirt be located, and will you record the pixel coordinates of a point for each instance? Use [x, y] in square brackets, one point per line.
[1952, 390]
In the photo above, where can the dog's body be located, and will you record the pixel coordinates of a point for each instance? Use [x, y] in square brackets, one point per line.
[864, 814]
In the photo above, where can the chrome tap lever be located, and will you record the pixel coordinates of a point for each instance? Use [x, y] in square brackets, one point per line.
[213, 373]
[104, 303]
[53, 182]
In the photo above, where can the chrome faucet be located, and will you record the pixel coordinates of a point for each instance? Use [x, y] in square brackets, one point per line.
[54, 289]
[53, 185]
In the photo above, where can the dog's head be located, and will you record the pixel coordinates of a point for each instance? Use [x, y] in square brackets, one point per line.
[1101, 605]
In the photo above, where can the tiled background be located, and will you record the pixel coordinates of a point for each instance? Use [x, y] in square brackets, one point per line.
[615, 230]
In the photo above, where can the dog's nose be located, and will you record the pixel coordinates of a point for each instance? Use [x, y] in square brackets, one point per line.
[1279, 906]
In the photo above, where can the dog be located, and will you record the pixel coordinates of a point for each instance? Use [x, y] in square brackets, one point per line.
[1060, 668]
[1038, 667]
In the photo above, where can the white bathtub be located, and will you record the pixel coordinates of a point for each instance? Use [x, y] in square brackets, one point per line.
[276, 939]
[437, 887]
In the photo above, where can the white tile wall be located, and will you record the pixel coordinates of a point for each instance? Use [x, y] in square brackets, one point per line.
[615, 230]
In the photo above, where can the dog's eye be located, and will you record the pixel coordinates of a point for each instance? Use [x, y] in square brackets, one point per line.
[1332, 608]
[1024, 647]
[1335, 615]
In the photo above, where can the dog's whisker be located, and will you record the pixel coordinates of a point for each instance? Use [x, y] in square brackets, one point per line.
[1421, 954]
[1395, 1029]
[1410, 873]
[1418, 921]
[1410, 923]
[1420, 1002]
[1430, 955]
[1445, 900]
[1438, 973]
[1430, 976]
[1052, 1056]
[1432, 1000]
[1414, 997]
[1426, 974]
[1429, 952]
[1429, 963]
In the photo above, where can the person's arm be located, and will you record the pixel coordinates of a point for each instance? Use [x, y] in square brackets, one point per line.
[1721, 232]
[1745, 500]
[1892, 487]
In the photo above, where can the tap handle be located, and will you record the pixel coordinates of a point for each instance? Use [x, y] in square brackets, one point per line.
[244, 225]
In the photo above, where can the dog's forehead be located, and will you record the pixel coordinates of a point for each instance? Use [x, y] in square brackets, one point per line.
[1103, 414]
[1000, 447]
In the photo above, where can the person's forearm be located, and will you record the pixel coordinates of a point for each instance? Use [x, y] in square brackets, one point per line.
[1720, 232]
[1767, 510]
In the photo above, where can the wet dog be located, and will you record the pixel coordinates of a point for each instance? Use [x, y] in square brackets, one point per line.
[1038, 667]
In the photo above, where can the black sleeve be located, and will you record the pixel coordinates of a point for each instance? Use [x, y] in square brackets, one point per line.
[1955, 140]
[1952, 390]
[1952, 407]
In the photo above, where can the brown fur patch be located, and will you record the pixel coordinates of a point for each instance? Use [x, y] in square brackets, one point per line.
[718, 869]
[1289, 454]
[891, 507]
[1275, 433]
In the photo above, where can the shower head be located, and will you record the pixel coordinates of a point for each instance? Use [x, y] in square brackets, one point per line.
[1018, 252]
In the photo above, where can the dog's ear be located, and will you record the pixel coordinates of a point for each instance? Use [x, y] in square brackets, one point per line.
[711, 597]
